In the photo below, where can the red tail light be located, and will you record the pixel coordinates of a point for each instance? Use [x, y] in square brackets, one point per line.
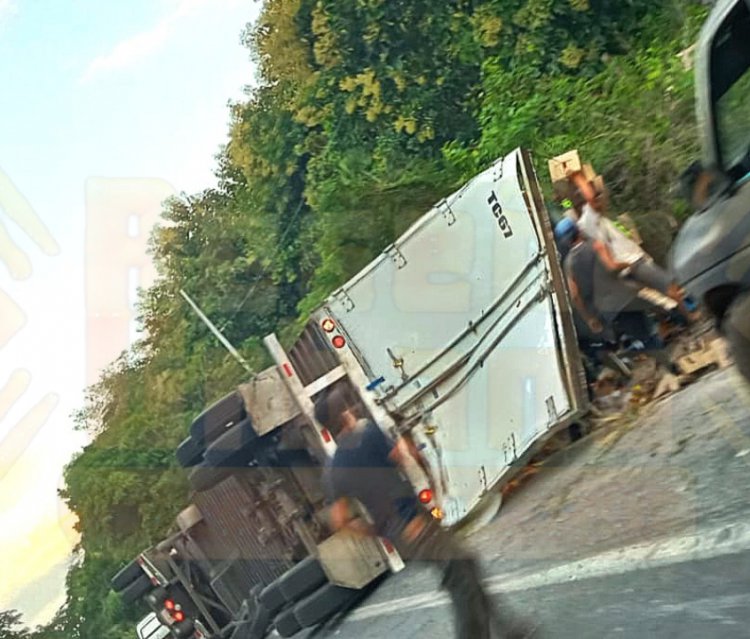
[325, 433]
[169, 604]
[338, 341]
[178, 615]
[425, 496]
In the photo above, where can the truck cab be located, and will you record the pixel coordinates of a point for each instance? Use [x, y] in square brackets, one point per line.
[711, 253]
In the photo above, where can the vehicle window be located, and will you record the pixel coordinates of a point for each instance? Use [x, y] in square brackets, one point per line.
[730, 75]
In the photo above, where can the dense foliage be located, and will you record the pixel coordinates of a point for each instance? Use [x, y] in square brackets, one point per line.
[365, 113]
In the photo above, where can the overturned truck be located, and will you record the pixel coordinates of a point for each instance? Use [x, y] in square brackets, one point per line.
[459, 335]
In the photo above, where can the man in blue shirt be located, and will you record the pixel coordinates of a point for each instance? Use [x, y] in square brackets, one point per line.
[364, 473]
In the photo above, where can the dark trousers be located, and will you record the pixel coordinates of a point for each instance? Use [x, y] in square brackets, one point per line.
[475, 614]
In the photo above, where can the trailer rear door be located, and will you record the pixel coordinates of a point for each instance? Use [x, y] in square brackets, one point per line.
[466, 319]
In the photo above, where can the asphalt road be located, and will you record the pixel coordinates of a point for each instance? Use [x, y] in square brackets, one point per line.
[640, 530]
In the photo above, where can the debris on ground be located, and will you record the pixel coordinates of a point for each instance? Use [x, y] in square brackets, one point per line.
[703, 353]
[669, 383]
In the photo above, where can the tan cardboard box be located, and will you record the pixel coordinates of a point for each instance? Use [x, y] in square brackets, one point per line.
[562, 165]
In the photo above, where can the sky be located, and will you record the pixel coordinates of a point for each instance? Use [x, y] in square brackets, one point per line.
[106, 108]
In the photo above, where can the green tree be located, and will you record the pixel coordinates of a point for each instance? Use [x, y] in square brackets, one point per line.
[11, 626]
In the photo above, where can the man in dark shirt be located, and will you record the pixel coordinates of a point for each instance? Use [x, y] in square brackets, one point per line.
[370, 496]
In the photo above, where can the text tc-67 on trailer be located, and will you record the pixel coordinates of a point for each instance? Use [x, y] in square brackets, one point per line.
[460, 333]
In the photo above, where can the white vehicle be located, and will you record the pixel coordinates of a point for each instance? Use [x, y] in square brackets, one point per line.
[459, 335]
[151, 628]
[711, 253]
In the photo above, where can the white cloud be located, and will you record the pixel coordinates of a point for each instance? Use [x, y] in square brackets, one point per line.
[141, 45]
[130, 50]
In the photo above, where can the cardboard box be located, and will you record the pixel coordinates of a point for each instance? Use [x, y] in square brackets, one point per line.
[562, 165]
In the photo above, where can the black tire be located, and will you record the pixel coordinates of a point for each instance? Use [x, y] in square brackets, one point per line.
[737, 330]
[286, 624]
[271, 598]
[295, 584]
[155, 598]
[213, 421]
[136, 589]
[203, 477]
[260, 625]
[126, 576]
[234, 448]
[306, 577]
[183, 629]
[323, 604]
[189, 453]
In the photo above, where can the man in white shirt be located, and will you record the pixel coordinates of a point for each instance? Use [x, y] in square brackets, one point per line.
[635, 262]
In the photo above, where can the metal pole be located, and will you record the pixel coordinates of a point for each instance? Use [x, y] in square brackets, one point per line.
[232, 350]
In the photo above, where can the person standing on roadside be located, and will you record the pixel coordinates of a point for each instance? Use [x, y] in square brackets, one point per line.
[370, 496]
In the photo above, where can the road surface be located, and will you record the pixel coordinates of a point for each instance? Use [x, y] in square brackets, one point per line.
[640, 530]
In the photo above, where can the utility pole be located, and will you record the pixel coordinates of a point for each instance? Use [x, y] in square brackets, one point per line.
[225, 342]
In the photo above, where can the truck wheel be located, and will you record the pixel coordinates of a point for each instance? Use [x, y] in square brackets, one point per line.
[323, 604]
[286, 624]
[260, 625]
[155, 598]
[736, 327]
[293, 585]
[213, 421]
[189, 518]
[189, 453]
[306, 577]
[271, 598]
[136, 589]
[202, 477]
[183, 629]
[234, 448]
[126, 576]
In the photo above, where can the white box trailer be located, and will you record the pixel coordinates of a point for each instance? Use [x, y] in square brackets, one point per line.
[461, 331]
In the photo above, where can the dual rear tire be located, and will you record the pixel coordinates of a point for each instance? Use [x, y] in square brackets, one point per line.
[302, 598]
[131, 583]
[316, 608]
